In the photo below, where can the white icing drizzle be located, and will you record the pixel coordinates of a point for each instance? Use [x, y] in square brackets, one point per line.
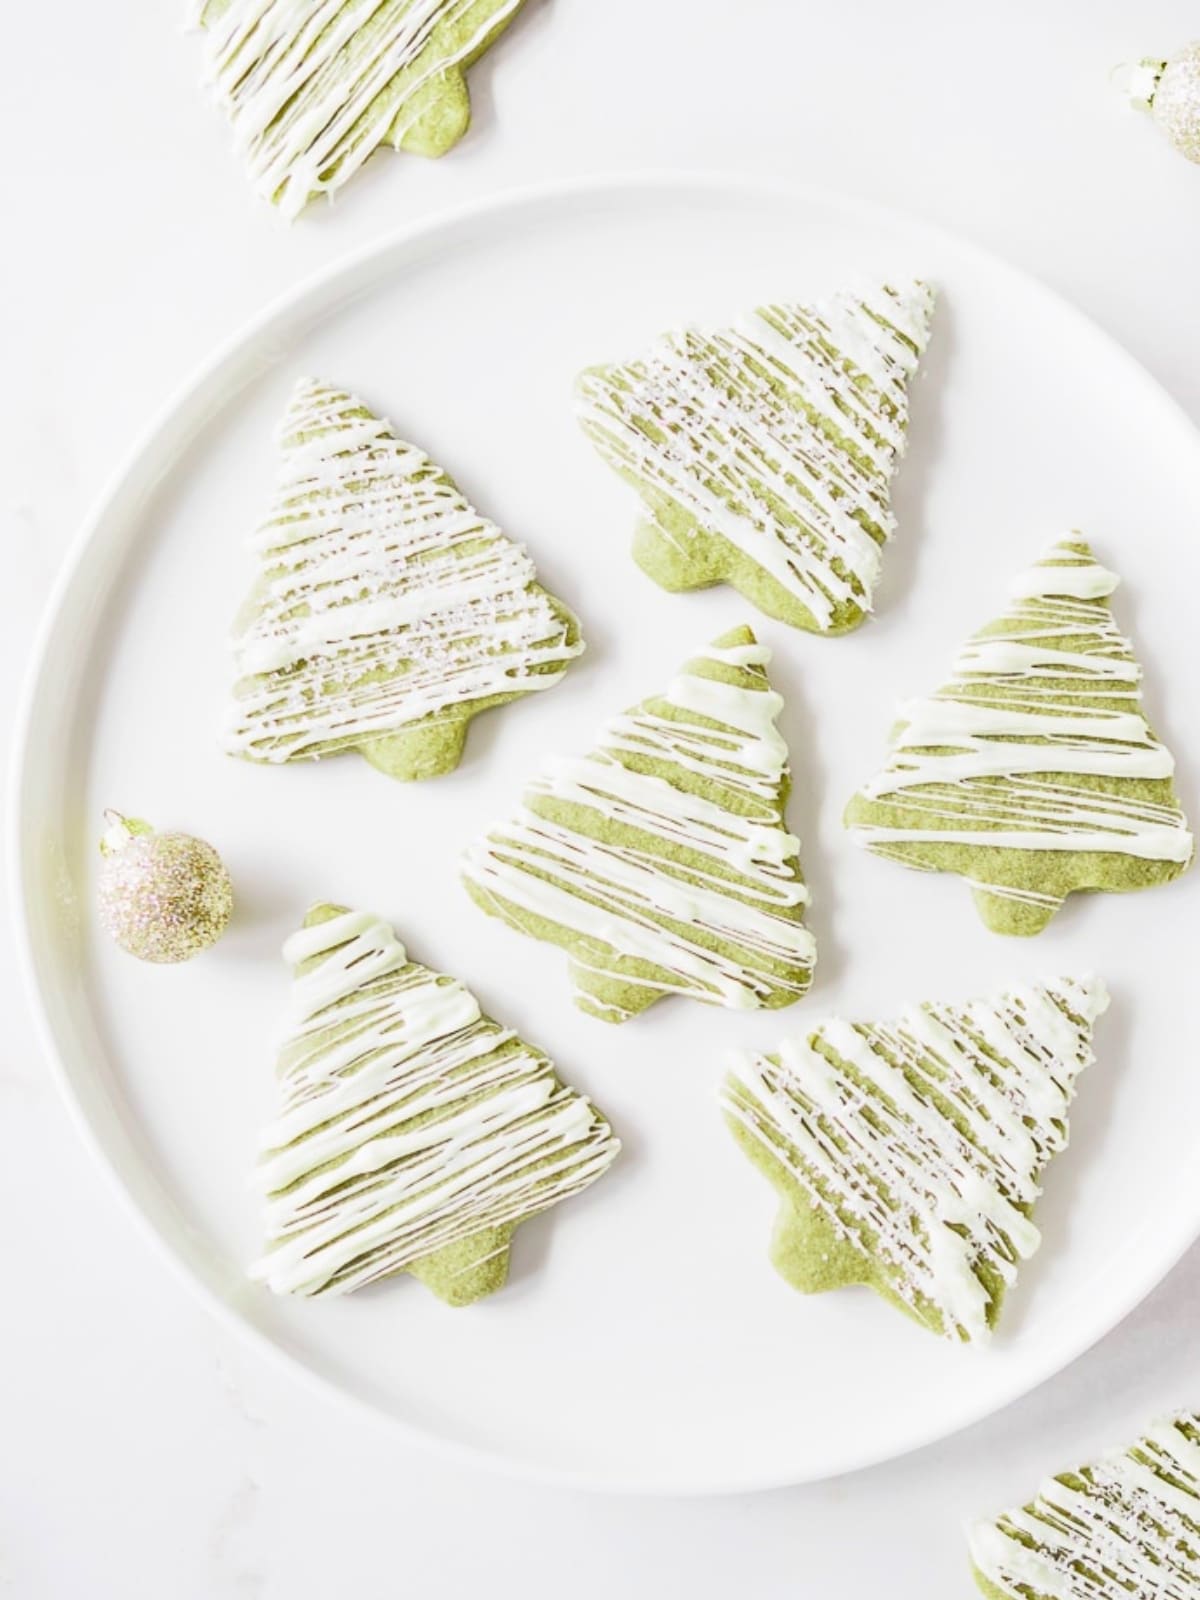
[1048, 696]
[724, 922]
[921, 1140]
[409, 1121]
[1128, 1524]
[313, 87]
[780, 434]
[383, 596]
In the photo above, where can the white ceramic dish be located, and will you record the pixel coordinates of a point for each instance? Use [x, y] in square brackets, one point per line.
[644, 1342]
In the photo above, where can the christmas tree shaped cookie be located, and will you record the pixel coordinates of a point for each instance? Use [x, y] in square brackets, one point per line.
[1033, 772]
[764, 453]
[387, 612]
[661, 860]
[414, 1134]
[312, 88]
[907, 1154]
[1125, 1527]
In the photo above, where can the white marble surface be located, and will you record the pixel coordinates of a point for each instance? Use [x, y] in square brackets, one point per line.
[145, 1453]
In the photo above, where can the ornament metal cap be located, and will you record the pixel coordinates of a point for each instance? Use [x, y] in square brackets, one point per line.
[1137, 81]
[120, 831]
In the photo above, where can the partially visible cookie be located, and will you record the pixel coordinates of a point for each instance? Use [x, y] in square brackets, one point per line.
[387, 612]
[661, 861]
[1125, 1527]
[312, 88]
[907, 1154]
[764, 452]
[414, 1134]
[1033, 772]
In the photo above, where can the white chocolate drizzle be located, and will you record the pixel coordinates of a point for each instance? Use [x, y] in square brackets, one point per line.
[920, 1141]
[781, 435]
[1125, 1525]
[312, 88]
[1039, 707]
[666, 846]
[383, 597]
[409, 1121]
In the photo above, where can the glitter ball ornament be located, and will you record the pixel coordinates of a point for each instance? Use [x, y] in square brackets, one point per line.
[162, 896]
[1170, 92]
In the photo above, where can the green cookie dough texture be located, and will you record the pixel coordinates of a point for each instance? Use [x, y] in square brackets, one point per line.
[661, 860]
[414, 1134]
[764, 453]
[1033, 773]
[387, 612]
[312, 88]
[1125, 1527]
[907, 1153]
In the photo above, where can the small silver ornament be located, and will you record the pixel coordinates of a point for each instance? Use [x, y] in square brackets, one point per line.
[162, 896]
[1170, 91]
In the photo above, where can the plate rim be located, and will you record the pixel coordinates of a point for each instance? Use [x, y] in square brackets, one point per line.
[184, 407]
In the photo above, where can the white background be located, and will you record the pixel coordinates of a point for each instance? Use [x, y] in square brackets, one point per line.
[144, 1452]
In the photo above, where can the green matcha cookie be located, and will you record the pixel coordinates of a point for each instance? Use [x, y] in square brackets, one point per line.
[387, 612]
[661, 860]
[414, 1134]
[1033, 772]
[1125, 1527]
[313, 87]
[907, 1154]
[764, 453]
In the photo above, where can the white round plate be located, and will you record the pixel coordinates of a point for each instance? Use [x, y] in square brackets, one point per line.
[644, 1341]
